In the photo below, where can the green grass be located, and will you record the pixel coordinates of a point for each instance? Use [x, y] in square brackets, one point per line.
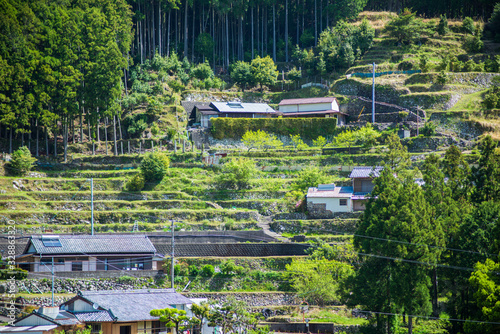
[470, 102]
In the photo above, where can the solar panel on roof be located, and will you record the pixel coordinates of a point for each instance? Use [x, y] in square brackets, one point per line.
[51, 242]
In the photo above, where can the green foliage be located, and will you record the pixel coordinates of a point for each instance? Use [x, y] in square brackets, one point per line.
[204, 45]
[173, 318]
[442, 27]
[229, 268]
[338, 46]
[367, 136]
[202, 71]
[155, 129]
[424, 63]
[236, 174]
[345, 139]
[294, 74]
[16, 273]
[486, 176]
[494, 23]
[260, 140]
[491, 99]
[310, 128]
[21, 162]
[154, 166]
[320, 142]
[429, 129]
[155, 107]
[136, 125]
[241, 74]
[264, 71]
[309, 177]
[406, 28]
[298, 143]
[397, 157]
[474, 43]
[207, 270]
[468, 26]
[231, 316]
[136, 182]
[486, 284]
[442, 78]
[318, 280]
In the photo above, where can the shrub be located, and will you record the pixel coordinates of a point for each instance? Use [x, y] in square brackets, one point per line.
[309, 177]
[202, 71]
[423, 63]
[298, 143]
[442, 78]
[207, 271]
[260, 140]
[155, 129]
[442, 27]
[154, 166]
[154, 107]
[319, 142]
[236, 174]
[126, 280]
[135, 183]
[429, 129]
[137, 126]
[473, 43]
[193, 270]
[21, 162]
[17, 273]
[468, 26]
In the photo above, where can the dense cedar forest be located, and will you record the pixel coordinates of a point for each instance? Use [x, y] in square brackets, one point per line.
[65, 65]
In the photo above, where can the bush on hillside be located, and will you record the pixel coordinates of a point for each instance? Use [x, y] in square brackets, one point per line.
[468, 26]
[442, 27]
[236, 174]
[21, 162]
[154, 166]
[135, 183]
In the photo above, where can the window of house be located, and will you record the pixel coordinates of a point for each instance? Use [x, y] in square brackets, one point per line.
[95, 328]
[125, 329]
[76, 266]
[343, 201]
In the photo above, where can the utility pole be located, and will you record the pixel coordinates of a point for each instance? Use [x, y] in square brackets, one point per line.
[373, 95]
[52, 270]
[92, 204]
[172, 265]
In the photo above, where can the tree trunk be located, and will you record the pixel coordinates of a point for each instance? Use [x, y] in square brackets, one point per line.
[114, 134]
[37, 131]
[159, 28]
[435, 292]
[274, 32]
[186, 30]
[168, 33]
[298, 23]
[10, 140]
[252, 31]
[55, 142]
[106, 133]
[410, 324]
[65, 138]
[46, 142]
[192, 37]
[227, 40]
[286, 30]
[315, 23]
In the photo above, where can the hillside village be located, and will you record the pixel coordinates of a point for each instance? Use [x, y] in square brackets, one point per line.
[279, 167]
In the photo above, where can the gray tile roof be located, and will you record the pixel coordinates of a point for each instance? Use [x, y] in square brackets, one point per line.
[135, 305]
[364, 172]
[95, 244]
[190, 105]
[97, 316]
[240, 107]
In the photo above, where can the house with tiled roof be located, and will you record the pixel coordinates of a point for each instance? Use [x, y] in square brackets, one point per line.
[327, 200]
[106, 311]
[232, 109]
[88, 253]
[312, 107]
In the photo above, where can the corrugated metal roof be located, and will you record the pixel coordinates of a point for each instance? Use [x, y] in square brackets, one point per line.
[240, 107]
[17, 329]
[366, 172]
[96, 244]
[311, 100]
[135, 305]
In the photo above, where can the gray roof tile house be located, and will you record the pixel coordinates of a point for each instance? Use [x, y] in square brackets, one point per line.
[106, 311]
[88, 253]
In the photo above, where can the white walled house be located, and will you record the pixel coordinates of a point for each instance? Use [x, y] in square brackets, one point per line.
[329, 198]
[312, 107]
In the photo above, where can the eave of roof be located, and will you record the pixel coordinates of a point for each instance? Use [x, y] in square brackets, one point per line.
[305, 113]
[311, 100]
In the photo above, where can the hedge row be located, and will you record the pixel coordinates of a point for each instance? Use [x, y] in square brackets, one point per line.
[307, 128]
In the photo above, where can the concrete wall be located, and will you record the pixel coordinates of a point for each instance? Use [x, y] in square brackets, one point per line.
[101, 274]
